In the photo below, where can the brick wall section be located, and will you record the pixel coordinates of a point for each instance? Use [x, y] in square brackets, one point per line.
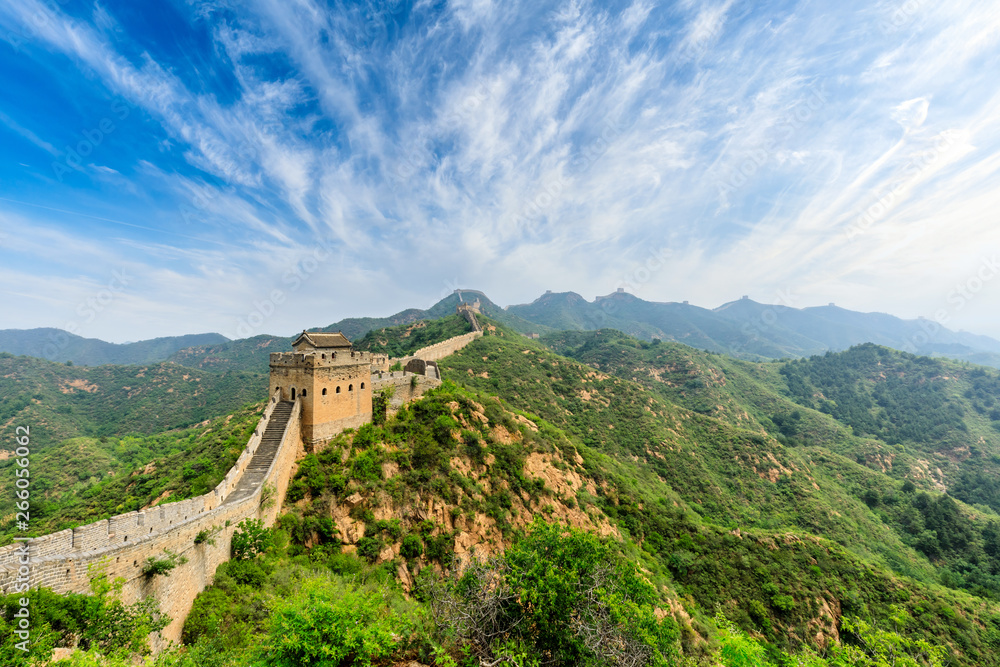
[441, 350]
[334, 388]
[405, 391]
[66, 561]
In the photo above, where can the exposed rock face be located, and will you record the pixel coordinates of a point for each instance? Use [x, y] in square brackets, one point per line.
[474, 533]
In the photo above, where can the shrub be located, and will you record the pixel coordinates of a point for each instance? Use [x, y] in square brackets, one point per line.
[567, 599]
[370, 547]
[366, 467]
[783, 602]
[331, 624]
[154, 566]
[251, 573]
[251, 539]
[411, 547]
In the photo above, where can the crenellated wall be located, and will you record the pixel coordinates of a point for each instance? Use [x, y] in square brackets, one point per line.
[119, 546]
[441, 350]
[406, 389]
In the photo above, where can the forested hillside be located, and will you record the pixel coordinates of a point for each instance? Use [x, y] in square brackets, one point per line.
[248, 354]
[406, 339]
[775, 508]
[62, 346]
[85, 479]
[62, 401]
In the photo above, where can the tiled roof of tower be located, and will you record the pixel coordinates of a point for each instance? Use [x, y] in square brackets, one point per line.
[323, 340]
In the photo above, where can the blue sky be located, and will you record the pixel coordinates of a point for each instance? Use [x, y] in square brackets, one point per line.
[265, 166]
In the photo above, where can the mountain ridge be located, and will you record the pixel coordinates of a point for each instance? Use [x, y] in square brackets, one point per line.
[742, 328]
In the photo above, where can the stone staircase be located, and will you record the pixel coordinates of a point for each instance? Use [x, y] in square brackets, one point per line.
[257, 469]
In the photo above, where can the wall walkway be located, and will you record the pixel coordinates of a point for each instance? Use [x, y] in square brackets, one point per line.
[66, 561]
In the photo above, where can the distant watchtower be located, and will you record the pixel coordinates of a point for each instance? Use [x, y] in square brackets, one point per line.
[330, 378]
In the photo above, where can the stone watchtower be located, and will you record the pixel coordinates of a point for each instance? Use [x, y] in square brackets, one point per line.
[332, 381]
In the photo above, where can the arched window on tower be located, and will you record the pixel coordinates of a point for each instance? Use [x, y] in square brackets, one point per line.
[338, 390]
[303, 393]
[362, 385]
[324, 391]
[293, 393]
[350, 387]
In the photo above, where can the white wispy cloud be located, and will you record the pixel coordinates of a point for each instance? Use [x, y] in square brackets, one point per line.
[848, 151]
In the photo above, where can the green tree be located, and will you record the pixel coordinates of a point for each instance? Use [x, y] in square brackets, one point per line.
[251, 539]
[563, 594]
[331, 624]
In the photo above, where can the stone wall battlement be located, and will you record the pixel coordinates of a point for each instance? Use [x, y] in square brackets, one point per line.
[441, 350]
[320, 359]
[119, 546]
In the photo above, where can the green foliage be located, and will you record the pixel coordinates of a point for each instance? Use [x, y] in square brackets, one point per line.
[251, 539]
[400, 341]
[366, 467]
[890, 395]
[207, 535]
[411, 547]
[99, 622]
[565, 598]
[163, 565]
[871, 647]
[328, 624]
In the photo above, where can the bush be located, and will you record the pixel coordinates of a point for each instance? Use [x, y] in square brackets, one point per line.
[366, 467]
[98, 622]
[370, 547]
[154, 566]
[251, 539]
[567, 599]
[411, 547]
[330, 624]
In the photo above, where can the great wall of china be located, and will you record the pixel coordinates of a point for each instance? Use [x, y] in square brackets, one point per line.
[198, 529]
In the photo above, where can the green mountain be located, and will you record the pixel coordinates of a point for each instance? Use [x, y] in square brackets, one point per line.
[59, 402]
[86, 479]
[59, 345]
[777, 504]
[247, 354]
[743, 447]
[751, 330]
[403, 340]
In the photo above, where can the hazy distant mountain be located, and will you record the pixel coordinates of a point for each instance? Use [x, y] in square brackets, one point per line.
[752, 330]
[59, 345]
[252, 354]
[743, 328]
[356, 327]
